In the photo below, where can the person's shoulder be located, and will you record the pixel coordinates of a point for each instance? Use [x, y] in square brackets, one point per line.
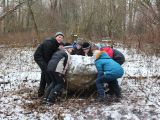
[49, 40]
[60, 51]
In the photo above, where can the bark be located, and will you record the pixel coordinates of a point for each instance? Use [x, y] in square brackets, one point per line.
[35, 40]
[10, 11]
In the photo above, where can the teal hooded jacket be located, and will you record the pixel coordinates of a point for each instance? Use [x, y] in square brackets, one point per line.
[108, 67]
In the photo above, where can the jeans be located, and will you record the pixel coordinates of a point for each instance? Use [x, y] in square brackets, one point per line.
[113, 86]
[55, 87]
[44, 77]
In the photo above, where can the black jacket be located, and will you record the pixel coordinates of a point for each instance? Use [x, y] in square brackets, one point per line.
[77, 51]
[46, 49]
[58, 61]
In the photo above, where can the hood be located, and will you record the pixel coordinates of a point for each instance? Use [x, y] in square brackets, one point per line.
[102, 55]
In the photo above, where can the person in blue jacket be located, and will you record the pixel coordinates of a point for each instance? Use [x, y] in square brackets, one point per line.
[108, 71]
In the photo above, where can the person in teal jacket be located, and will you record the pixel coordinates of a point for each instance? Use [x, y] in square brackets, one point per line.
[108, 71]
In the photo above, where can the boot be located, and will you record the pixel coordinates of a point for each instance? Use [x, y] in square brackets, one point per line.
[51, 99]
[44, 100]
[118, 98]
[50, 102]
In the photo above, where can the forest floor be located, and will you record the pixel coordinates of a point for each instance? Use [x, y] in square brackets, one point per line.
[19, 81]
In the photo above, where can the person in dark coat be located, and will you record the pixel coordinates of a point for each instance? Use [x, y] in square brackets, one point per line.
[87, 49]
[77, 48]
[42, 56]
[114, 54]
[56, 69]
[118, 56]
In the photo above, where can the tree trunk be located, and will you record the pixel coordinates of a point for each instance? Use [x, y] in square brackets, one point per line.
[130, 25]
[158, 8]
[35, 40]
[2, 22]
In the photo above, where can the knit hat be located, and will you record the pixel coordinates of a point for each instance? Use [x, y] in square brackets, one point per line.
[95, 47]
[59, 33]
[79, 42]
[85, 45]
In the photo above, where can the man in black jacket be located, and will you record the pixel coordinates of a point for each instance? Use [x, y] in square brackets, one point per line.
[42, 56]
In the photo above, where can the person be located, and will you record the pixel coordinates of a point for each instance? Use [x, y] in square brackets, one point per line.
[108, 71]
[114, 54]
[42, 56]
[56, 69]
[77, 48]
[118, 56]
[61, 45]
[87, 49]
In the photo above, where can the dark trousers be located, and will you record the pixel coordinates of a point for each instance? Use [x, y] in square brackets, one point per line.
[113, 86]
[55, 87]
[44, 77]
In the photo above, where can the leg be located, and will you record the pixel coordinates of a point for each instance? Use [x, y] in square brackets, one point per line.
[48, 90]
[99, 84]
[48, 79]
[57, 88]
[111, 90]
[42, 85]
[51, 85]
[116, 88]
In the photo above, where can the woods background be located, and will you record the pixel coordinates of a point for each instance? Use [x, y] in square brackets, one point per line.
[133, 22]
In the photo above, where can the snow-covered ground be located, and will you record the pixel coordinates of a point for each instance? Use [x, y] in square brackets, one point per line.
[19, 80]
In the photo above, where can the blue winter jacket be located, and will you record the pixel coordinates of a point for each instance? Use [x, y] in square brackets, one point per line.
[108, 67]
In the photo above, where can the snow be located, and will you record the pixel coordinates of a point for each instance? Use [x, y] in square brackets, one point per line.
[20, 75]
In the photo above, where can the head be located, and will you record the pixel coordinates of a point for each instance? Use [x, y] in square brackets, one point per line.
[59, 37]
[108, 42]
[69, 47]
[79, 44]
[94, 47]
[61, 46]
[86, 47]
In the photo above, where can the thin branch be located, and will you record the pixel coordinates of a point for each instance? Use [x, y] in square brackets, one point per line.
[12, 10]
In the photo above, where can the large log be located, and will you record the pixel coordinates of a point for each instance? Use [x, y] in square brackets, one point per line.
[82, 72]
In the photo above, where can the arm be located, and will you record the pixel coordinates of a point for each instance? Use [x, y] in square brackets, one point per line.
[66, 63]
